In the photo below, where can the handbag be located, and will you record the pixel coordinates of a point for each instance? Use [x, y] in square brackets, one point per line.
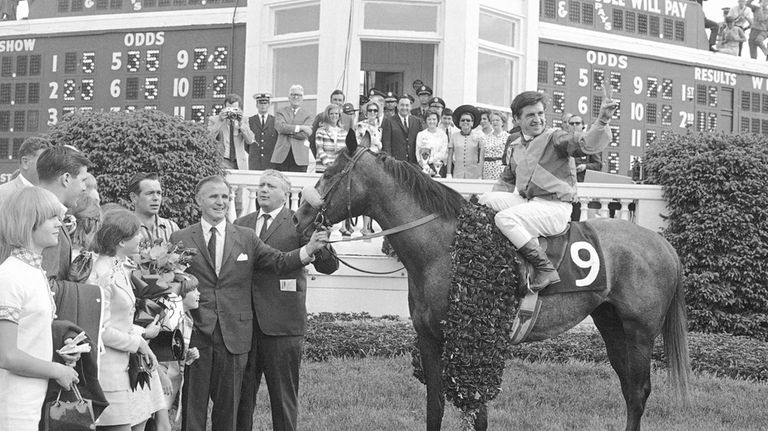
[81, 267]
[138, 370]
[69, 415]
[168, 346]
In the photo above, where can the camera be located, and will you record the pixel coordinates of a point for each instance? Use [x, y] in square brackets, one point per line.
[232, 114]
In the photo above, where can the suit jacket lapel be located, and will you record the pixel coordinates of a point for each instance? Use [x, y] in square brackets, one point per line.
[282, 216]
[229, 242]
[199, 240]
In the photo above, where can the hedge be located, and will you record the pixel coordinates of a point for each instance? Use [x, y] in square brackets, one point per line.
[716, 188]
[360, 336]
[122, 143]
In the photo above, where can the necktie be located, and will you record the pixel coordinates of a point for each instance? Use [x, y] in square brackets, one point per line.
[405, 121]
[263, 120]
[212, 246]
[232, 155]
[263, 230]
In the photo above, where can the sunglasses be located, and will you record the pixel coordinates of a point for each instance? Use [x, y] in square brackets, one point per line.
[466, 120]
[373, 110]
[575, 123]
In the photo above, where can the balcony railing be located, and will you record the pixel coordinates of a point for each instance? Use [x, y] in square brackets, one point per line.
[640, 204]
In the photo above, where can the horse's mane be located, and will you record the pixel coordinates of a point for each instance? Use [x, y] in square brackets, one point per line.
[433, 196]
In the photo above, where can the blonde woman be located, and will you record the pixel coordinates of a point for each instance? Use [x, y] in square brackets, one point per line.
[330, 137]
[29, 222]
[372, 125]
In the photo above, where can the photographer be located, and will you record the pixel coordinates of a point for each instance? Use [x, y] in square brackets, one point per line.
[232, 133]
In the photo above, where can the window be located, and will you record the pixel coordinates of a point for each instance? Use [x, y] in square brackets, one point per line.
[396, 16]
[495, 76]
[297, 19]
[587, 13]
[542, 71]
[574, 11]
[497, 29]
[295, 65]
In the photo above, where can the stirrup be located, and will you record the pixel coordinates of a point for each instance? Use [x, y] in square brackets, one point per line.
[526, 317]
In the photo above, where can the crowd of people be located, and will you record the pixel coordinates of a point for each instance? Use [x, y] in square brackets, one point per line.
[244, 287]
[467, 142]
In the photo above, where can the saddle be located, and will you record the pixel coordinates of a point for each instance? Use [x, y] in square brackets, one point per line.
[578, 257]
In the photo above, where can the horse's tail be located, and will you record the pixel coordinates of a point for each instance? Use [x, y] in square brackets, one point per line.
[676, 340]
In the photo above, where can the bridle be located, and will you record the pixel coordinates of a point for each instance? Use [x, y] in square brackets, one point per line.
[318, 202]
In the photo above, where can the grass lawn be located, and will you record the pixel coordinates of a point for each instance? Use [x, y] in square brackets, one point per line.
[380, 395]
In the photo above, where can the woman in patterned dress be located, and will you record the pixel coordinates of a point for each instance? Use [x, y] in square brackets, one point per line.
[494, 144]
[29, 222]
[330, 137]
[465, 148]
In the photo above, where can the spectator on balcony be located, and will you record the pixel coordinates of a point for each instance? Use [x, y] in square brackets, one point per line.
[759, 32]
[438, 104]
[330, 137]
[465, 148]
[485, 127]
[372, 125]
[390, 104]
[743, 18]
[264, 134]
[294, 126]
[347, 119]
[232, 133]
[714, 29]
[494, 144]
[398, 133]
[432, 146]
[731, 37]
[425, 93]
[446, 123]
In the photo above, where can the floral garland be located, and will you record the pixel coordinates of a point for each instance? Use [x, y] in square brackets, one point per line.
[481, 307]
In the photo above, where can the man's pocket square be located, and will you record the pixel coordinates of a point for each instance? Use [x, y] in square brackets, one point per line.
[242, 258]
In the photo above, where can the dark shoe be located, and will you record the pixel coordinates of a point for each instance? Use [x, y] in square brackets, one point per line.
[544, 273]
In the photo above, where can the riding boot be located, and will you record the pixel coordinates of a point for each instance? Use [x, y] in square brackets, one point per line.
[543, 271]
[367, 225]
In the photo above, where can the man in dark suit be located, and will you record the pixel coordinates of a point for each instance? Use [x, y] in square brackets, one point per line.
[281, 312]
[294, 125]
[264, 135]
[398, 132]
[223, 324]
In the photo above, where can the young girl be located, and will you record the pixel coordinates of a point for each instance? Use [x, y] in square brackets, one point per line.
[29, 222]
[117, 238]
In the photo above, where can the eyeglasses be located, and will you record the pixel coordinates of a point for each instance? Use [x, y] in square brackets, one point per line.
[373, 110]
[575, 123]
[296, 94]
[263, 102]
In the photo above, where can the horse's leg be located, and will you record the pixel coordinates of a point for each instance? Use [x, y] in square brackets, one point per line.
[431, 362]
[481, 420]
[629, 352]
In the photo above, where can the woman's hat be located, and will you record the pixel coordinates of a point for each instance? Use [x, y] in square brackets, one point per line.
[466, 109]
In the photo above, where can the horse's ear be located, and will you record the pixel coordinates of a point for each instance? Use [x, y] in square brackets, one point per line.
[351, 142]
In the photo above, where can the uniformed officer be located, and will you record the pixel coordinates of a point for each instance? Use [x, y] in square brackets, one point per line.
[390, 104]
[425, 93]
[265, 135]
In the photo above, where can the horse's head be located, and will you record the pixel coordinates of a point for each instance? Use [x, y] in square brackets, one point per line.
[339, 193]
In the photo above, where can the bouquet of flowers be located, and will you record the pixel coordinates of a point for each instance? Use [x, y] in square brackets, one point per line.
[161, 271]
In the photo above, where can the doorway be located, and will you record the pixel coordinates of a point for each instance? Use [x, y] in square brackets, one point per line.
[394, 66]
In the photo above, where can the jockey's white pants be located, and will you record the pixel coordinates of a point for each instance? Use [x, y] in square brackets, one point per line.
[521, 220]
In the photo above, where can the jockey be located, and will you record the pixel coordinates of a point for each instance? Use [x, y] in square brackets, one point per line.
[543, 174]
